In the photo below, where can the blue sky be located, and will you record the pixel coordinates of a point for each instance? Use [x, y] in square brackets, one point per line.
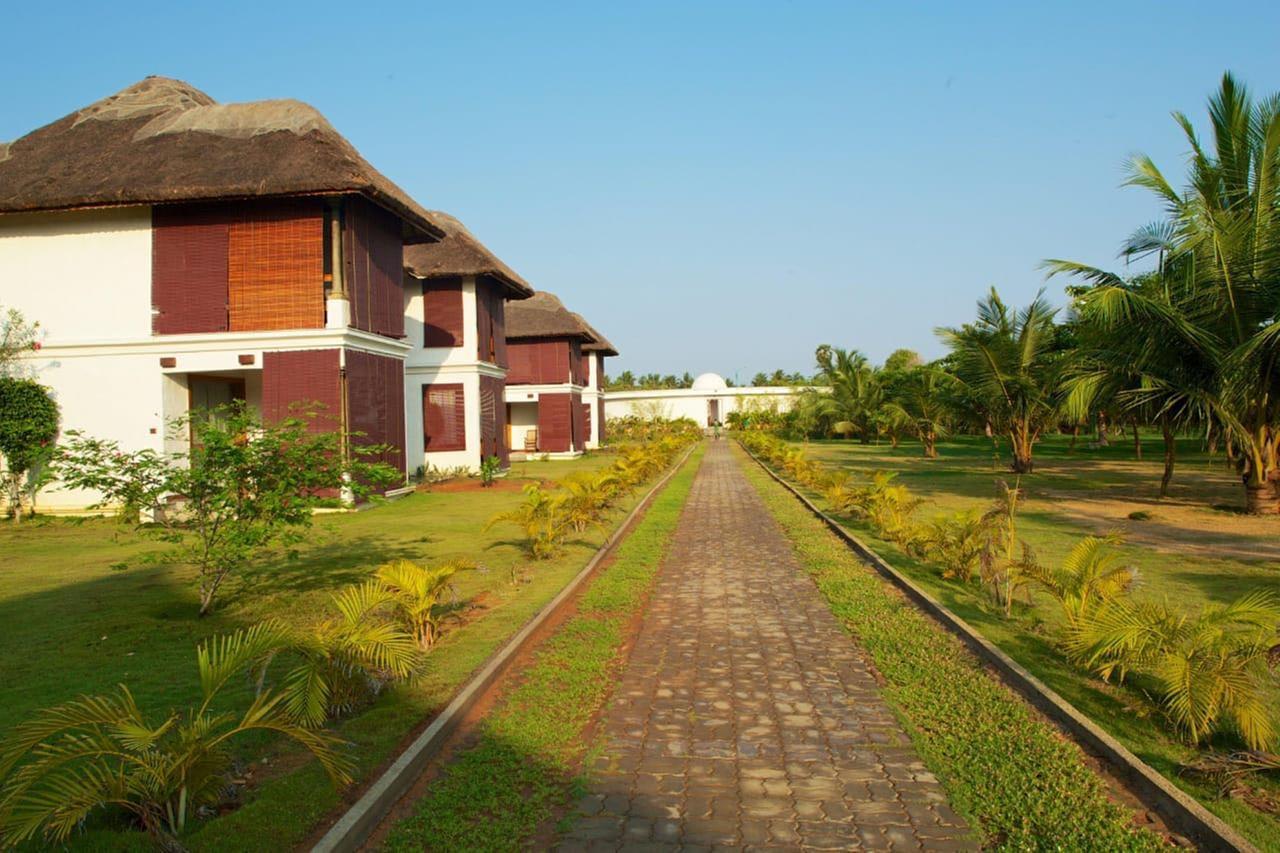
[716, 186]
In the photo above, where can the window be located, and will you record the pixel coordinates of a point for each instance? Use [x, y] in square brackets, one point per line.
[442, 313]
[444, 417]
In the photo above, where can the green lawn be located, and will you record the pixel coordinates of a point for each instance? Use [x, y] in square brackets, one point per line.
[1196, 548]
[73, 624]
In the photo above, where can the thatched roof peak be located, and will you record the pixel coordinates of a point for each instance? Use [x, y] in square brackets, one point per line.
[460, 254]
[163, 140]
[543, 315]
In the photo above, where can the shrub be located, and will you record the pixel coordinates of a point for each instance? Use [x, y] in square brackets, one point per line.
[957, 542]
[244, 486]
[1209, 670]
[586, 496]
[540, 521]
[416, 593]
[1089, 576]
[489, 469]
[28, 428]
[100, 752]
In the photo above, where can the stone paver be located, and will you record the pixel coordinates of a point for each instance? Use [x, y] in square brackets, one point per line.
[746, 717]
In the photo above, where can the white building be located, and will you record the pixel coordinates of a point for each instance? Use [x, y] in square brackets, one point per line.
[179, 254]
[708, 402]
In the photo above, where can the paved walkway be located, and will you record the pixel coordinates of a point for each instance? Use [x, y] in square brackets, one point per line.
[746, 716]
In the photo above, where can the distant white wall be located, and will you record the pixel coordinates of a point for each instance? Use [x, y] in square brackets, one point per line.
[84, 275]
[692, 404]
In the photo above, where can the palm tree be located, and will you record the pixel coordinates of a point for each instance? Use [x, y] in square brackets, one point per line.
[1011, 363]
[1127, 362]
[99, 752]
[1218, 262]
[915, 396]
[856, 394]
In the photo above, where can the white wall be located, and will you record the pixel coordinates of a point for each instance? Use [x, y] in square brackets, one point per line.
[688, 403]
[84, 275]
[414, 320]
[524, 417]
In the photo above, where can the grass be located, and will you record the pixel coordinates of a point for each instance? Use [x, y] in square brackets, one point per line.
[1192, 548]
[497, 792]
[74, 625]
[1006, 769]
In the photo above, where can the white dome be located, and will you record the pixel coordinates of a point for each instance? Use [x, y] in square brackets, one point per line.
[710, 382]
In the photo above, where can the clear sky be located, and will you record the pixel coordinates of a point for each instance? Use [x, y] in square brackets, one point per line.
[716, 186]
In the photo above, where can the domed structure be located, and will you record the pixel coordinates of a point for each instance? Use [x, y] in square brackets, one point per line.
[712, 382]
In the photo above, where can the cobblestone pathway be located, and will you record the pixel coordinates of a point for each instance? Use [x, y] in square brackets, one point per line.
[746, 717]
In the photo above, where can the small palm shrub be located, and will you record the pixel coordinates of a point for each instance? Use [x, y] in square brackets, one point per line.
[587, 496]
[540, 521]
[957, 543]
[1090, 576]
[889, 506]
[1007, 566]
[490, 467]
[840, 493]
[1208, 670]
[346, 660]
[99, 753]
[416, 592]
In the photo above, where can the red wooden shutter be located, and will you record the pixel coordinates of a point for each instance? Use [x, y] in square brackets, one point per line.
[302, 377]
[373, 261]
[600, 416]
[586, 422]
[499, 314]
[188, 269]
[375, 403]
[442, 313]
[555, 423]
[495, 387]
[578, 435]
[444, 416]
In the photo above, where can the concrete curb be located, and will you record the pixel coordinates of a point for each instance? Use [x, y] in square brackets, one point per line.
[358, 822]
[1182, 812]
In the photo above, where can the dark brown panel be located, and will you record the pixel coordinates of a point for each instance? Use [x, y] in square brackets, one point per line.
[493, 420]
[442, 313]
[302, 377]
[444, 417]
[373, 260]
[600, 416]
[188, 269]
[586, 423]
[375, 403]
[577, 431]
[555, 423]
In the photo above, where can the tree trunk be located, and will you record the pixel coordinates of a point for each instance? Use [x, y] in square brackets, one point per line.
[1262, 474]
[1022, 462]
[1262, 499]
[1170, 452]
[930, 445]
[1137, 442]
[1075, 434]
[1101, 422]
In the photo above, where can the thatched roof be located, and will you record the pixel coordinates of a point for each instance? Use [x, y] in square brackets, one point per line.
[600, 344]
[544, 316]
[460, 253]
[162, 140]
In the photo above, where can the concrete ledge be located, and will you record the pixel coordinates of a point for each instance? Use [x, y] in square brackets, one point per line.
[358, 823]
[1180, 810]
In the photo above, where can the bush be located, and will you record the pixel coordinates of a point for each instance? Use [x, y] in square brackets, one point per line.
[28, 429]
[102, 752]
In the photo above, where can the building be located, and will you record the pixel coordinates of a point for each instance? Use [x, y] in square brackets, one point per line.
[708, 402]
[184, 253]
[547, 377]
[593, 355]
[456, 368]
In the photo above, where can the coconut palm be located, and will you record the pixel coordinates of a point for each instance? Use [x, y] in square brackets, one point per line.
[915, 396]
[1011, 364]
[856, 396]
[102, 752]
[1218, 263]
[957, 542]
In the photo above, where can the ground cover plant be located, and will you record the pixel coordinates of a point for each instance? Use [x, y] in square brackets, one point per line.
[1007, 770]
[1183, 565]
[497, 792]
[139, 627]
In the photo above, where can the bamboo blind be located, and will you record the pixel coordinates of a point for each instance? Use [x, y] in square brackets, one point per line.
[275, 268]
